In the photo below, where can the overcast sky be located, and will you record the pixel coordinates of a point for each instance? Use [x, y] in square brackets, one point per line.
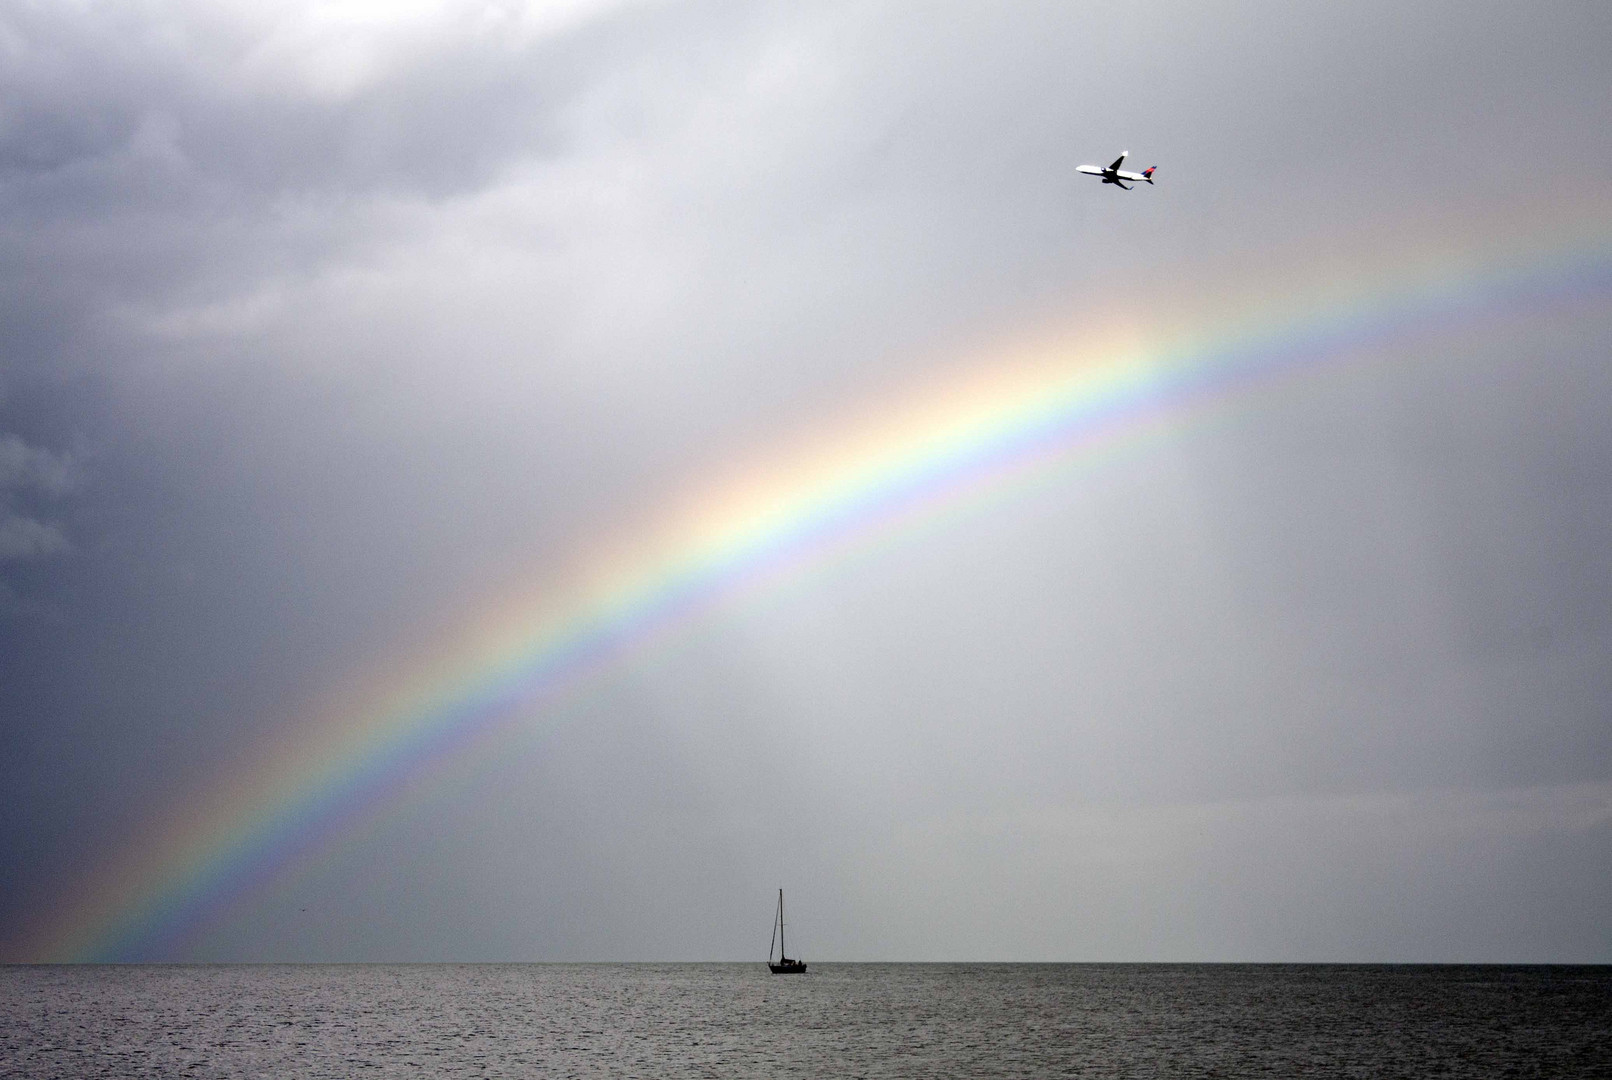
[320, 323]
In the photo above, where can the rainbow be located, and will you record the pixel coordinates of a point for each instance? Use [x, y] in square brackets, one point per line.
[1023, 415]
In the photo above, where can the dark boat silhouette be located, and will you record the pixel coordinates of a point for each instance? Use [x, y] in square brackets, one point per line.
[783, 965]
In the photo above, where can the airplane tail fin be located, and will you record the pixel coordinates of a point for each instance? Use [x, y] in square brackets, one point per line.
[1147, 173]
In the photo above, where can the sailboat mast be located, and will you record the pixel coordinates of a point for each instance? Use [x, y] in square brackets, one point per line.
[782, 952]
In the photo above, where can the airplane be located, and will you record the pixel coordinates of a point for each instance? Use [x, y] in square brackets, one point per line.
[1113, 175]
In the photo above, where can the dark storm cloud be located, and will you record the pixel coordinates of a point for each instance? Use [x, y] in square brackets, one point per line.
[148, 153]
[313, 330]
[151, 148]
[113, 105]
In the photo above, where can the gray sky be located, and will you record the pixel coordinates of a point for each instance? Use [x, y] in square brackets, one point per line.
[323, 323]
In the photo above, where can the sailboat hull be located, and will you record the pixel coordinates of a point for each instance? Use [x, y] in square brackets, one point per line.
[787, 967]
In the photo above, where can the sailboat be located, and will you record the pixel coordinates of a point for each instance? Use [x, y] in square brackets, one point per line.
[783, 965]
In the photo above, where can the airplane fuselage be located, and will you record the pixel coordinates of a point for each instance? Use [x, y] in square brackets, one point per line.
[1113, 174]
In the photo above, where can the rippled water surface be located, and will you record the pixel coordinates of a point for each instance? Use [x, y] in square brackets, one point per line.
[841, 1020]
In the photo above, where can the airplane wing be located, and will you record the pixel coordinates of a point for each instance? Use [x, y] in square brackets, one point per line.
[1118, 160]
[1121, 186]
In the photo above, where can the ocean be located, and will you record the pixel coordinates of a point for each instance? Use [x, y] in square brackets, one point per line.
[839, 1020]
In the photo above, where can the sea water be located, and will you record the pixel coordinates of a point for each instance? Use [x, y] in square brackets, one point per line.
[838, 1020]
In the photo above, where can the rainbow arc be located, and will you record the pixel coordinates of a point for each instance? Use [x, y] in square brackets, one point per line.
[941, 448]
